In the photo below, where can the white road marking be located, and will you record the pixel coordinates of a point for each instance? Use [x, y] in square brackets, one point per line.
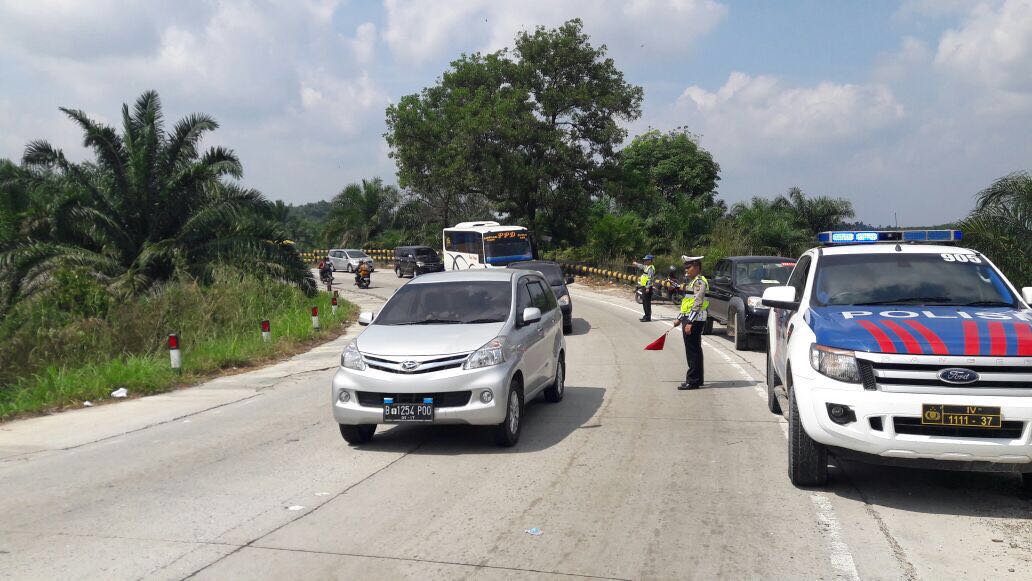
[841, 557]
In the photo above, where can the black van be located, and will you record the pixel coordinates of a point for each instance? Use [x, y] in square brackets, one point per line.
[415, 260]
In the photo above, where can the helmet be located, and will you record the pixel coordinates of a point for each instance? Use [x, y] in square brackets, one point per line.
[648, 257]
[673, 269]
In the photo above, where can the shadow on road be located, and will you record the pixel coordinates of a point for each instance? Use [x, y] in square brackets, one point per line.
[580, 327]
[730, 384]
[992, 495]
[756, 343]
[545, 425]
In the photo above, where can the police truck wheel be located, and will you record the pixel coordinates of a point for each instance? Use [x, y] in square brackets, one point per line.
[772, 381]
[807, 459]
[736, 329]
[507, 433]
[357, 434]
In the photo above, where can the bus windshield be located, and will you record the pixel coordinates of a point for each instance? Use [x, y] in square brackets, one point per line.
[501, 248]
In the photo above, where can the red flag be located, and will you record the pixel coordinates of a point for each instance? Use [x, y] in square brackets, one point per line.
[658, 344]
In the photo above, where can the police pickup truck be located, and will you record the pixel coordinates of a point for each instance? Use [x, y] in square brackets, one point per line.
[901, 348]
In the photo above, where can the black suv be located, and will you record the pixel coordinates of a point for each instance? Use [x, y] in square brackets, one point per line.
[416, 260]
[554, 275]
[736, 288]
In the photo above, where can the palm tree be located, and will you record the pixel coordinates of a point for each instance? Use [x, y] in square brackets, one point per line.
[361, 211]
[770, 228]
[819, 213]
[1000, 226]
[150, 207]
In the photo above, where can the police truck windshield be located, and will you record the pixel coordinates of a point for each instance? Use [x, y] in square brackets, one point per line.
[910, 279]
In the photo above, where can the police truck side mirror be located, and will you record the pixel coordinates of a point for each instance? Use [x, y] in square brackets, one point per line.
[1026, 293]
[780, 297]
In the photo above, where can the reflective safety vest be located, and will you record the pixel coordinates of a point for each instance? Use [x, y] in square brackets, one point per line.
[689, 299]
[646, 277]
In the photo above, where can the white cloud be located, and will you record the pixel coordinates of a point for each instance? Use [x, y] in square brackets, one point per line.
[912, 53]
[363, 45]
[421, 30]
[760, 116]
[992, 47]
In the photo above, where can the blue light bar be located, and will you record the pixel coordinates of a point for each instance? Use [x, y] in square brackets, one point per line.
[870, 237]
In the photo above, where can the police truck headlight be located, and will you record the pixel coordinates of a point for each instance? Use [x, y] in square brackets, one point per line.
[564, 300]
[754, 302]
[490, 354]
[837, 364]
[352, 358]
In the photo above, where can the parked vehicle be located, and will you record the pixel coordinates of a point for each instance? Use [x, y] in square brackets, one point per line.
[554, 275]
[736, 292]
[462, 347]
[416, 260]
[886, 350]
[348, 259]
[669, 289]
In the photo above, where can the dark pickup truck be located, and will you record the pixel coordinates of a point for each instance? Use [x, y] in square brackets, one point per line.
[735, 290]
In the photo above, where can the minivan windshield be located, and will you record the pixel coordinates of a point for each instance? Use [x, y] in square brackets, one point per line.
[910, 279]
[357, 254]
[553, 274]
[768, 273]
[443, 303]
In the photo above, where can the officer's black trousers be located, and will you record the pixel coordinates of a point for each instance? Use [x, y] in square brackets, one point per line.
[693, 354]
[646, 302]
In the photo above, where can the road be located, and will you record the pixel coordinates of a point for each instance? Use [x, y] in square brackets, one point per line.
[627, 478]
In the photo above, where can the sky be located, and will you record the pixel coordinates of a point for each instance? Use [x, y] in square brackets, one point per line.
[907, 108]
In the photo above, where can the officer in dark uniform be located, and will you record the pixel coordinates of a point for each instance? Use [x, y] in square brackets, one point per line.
[648, 276]
[692, 319]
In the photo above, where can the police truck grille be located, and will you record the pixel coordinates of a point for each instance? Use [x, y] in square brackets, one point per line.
[924, 377]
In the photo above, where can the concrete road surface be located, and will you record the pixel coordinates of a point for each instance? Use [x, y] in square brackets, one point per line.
[247, 478]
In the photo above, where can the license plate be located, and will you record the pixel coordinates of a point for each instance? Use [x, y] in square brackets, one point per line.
[965, 416]
[408, 412]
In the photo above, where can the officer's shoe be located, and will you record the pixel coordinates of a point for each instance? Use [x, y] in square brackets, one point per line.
[645, 319]
[683, 387]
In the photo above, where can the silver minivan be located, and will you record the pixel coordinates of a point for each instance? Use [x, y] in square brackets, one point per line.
[458, 347]
[348, 259]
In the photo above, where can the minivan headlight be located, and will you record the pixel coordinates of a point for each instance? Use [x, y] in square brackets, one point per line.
[492, 353]
[352, 358]
[754, 302]
[564, 300]
[837, 364]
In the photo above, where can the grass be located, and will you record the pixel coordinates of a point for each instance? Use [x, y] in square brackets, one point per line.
[61, 361]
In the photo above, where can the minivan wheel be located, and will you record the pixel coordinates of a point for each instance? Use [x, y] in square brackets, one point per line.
[357, 434]
[508, 432]
[349, 269]
[554, 394]
[807, 459]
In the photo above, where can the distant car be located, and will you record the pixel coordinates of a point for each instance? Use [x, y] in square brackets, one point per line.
[554, 275]
[348, 259]
[459, 347]
[736, 290]
[416, 260]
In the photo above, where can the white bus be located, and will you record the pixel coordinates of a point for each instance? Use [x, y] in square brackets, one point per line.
[485, 245]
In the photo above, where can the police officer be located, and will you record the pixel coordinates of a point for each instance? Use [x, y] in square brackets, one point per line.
[646, 279]
[692, 319]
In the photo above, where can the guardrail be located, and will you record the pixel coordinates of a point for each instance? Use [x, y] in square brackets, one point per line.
[589, 270]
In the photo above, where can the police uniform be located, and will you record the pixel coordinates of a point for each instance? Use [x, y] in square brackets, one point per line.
[648, 275]
[694, 309]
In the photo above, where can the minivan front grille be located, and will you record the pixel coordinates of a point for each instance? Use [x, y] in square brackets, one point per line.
[415, 366]
[446, 399]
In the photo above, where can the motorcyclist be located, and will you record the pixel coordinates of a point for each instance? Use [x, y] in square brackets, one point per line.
[361, 272]
[326, 268]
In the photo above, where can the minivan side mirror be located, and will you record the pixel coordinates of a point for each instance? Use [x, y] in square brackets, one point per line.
[1026, 293]
[780, 297]
[365, 318]
[569, 280]
[531, 315]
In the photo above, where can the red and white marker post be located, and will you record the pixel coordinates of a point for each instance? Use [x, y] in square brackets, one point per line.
[266, 330]
[333, 305]
[173, 353]
[315, 318]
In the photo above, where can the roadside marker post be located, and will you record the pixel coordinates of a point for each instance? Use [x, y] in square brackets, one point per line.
[315, 318]
[333, 305]
[266, 330]
[174, 354]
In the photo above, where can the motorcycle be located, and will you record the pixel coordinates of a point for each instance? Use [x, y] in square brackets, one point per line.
[667, 290]
[326, 276]
[362, 281]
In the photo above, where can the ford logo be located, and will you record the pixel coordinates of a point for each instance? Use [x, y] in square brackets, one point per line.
[410, 365]
[958, 376]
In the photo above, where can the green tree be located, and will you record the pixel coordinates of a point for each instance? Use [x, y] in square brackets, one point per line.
[361, 211]
[818, 214]
[1000, 226]
[769, 228]
[148, 208]
[665, 168]
[532, 130]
